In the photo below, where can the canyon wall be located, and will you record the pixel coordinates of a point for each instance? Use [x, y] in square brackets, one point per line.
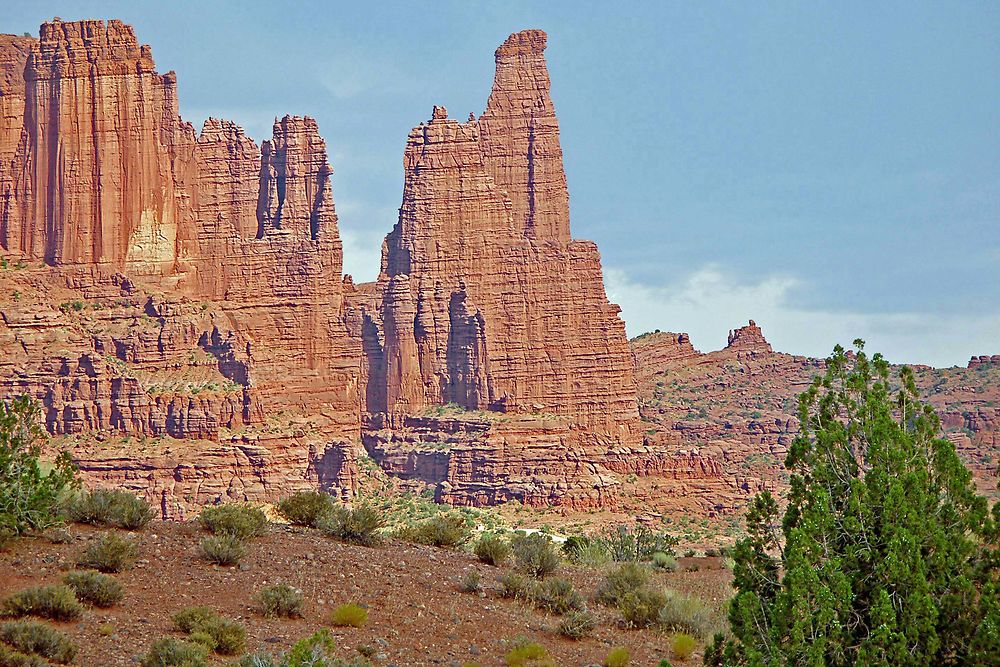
[174, 285]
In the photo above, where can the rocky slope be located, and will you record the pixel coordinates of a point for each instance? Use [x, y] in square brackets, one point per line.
[737, 406]
[176, 301]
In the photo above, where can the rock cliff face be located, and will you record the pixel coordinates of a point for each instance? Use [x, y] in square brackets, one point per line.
[487, 302]
[174, 286]
[108, 192]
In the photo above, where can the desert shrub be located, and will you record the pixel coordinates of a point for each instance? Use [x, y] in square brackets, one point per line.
[557, 596]
[443, 530]
[305, 508]
[514, 586]
[535, 554]
[682, 646]
[357, 526]
[13, 658]
[689, 553]
[617, 657]
[472, 582]
[207, 628]
[241, 520]
[98, 589]
[29, 497]
[110, 507]
[56, 602]
[492, 549]
[636, 543]
[349, 614]
[173, 652]
[528, 654]
[665, 561]
[577, 624]
[641, 608]
[109, 553]
[622, 580]
[281, 600]
[39, 639]
[687, 613]
[223, 549]
[592, 554]
[664, 663]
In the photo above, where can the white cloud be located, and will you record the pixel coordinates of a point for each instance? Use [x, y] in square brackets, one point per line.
[709, 302]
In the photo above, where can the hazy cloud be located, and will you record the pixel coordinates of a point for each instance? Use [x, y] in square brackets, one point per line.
[709, 302]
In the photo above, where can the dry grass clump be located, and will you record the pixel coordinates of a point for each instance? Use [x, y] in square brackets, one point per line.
[110, 553]
[535, 554]
[350, 614]
[39, 639]
[682, 646]
[223, 549]
[56, 602]
[492, 549]
[173, 652]
[109, 507]
[95, 588]
[557, 596]
[617, 657]
[526, 653]
[13, 658]
[280, 601]
[577, 624]
[360, 525]
[687, 613]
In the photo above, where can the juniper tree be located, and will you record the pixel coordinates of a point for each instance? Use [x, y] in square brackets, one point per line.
[29, 492]
[885, 554]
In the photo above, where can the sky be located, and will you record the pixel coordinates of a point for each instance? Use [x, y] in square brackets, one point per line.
[828, 169]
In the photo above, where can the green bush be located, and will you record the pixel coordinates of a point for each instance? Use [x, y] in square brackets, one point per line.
[280, 601]
[98, 589]
[349, 614]
[173, 652]
[12, 658]
[39, 639]
[241, 520]
[535, 554]
[223, 549]
[472, 582]
[622, 580]
[636, 543]
[109, 553]
[29, 497]
[587, 552]
[56, 602]
[492, 549]
[687, 613]
[528, 654]
[110, 508]
[557, 596]
[306, 507]
[617, 657]
[641, 608]
[208, 628]
[682, 646]
[577, 624]
[443, 530]
[665, 561]
[357, 526]
[514, 586]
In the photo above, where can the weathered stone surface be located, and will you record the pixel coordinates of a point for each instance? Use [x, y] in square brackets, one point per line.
[486, 302]
[748, 339]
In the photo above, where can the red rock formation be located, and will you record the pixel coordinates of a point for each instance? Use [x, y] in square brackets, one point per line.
[984, 359]
[486, 302]
[748, 339]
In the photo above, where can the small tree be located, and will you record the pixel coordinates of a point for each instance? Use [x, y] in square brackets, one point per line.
[28, 495]
[885, 555]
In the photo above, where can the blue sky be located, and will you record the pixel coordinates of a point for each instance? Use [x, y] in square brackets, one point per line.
[830, 169]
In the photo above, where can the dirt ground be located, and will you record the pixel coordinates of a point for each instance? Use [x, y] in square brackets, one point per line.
[417, 614]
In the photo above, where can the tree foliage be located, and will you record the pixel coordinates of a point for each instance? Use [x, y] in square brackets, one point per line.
[885, 554]
[28, 492]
